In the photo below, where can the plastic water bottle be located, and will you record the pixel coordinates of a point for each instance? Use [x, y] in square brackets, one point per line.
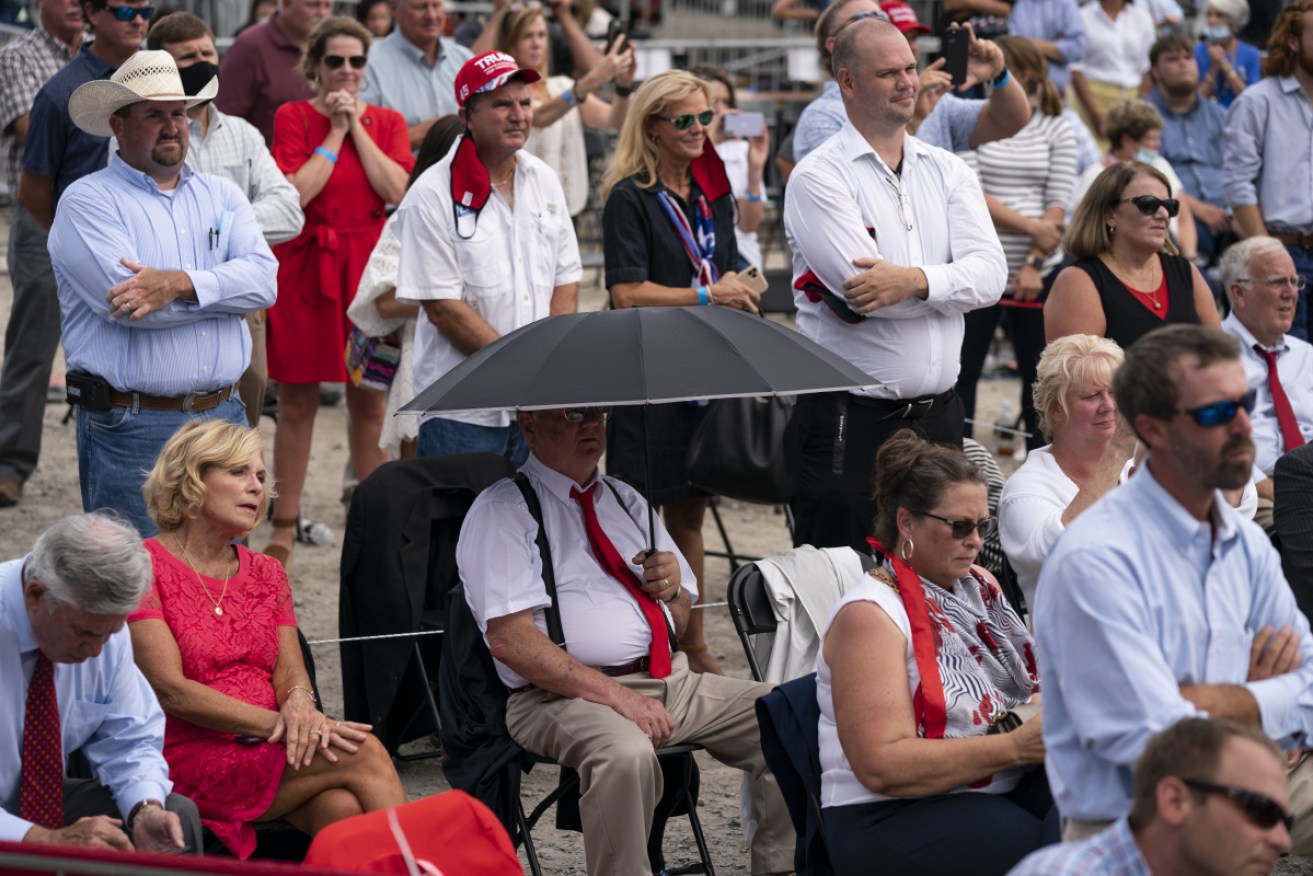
[315, 532]
[1005, 442]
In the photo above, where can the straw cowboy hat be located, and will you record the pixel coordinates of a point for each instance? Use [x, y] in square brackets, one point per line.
[144, 76]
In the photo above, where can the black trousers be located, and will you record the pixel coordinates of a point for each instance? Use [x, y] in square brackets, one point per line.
[1027, 327]
[834, 437]
[945, 835]
[87, 797]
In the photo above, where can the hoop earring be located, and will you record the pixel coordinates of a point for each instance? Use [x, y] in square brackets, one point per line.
[905, 550]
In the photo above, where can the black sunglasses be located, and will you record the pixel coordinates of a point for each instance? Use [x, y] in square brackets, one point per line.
[1222, 412]
[1148, 204]
[684, 122]
[127, 13]
[332, 62]
[1260, 811]
[578, 415]
[964, 528]
[873, 13]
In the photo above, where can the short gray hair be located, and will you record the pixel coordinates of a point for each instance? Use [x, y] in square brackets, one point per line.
[94, 562]
[1236, 259]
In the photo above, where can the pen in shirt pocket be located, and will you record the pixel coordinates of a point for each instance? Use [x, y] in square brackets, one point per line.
[225, 223]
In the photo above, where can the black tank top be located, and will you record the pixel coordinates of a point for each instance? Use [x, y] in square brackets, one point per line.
[1127, 317]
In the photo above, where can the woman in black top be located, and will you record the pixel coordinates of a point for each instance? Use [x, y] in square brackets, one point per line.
[1128, 279]
[668, 240]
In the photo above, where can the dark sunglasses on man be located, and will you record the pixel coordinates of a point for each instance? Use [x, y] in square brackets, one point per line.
[1261, 812]
[333, 62]
[684, 122]
[1222, 412]
[1149, 205]
[127, 13]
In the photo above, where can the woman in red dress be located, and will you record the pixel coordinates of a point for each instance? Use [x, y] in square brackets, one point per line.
[348, 160]
[216, 638]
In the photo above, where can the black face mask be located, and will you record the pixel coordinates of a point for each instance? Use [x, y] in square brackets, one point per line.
[197, 76]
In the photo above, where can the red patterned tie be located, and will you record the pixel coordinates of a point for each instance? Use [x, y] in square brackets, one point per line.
[617, 568]
[42, 799]
[1291, 437]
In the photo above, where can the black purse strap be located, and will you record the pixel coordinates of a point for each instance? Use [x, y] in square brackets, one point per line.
[554, 631]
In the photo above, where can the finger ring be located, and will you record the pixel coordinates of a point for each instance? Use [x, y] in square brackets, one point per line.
[665, 581]
[316, 733]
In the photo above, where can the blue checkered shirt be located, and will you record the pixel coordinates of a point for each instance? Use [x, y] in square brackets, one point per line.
[1111, 853]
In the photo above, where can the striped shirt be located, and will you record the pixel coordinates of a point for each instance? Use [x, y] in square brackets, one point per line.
[188, 346]
[25, 65]
[1111, 853]
[1031, 172]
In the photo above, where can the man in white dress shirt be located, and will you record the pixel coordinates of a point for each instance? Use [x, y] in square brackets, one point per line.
[500, 255]
[894, 242]
[614, 692]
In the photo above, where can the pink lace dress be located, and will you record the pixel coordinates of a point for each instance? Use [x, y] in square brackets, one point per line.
[231, 782]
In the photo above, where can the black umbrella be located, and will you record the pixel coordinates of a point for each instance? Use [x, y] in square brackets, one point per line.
[639, 355]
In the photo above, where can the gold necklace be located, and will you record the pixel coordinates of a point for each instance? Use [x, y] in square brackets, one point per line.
[508, 176]
[218, 603]
[1152, 296]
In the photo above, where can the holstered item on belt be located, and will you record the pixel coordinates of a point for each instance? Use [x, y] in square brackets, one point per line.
[191, 403]
[1301, 239]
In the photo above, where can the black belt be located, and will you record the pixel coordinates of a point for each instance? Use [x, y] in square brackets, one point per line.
[642, 664]
[905, 409]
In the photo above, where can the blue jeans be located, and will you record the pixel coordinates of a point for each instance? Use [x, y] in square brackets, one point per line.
[117, 448]
[1304, 267]
[442, 437]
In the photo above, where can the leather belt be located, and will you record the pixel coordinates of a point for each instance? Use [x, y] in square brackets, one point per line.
[191, 403]
[642, 664]
[1301, 239]
[906, 409]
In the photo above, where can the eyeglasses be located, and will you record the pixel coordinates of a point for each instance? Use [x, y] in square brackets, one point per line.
[1148, 204]
[332, 62]
[684, 122]
[1222, 412]
[578, 415]
[1275, 283]
[964, 528]
[1261, 811]
[127, 13]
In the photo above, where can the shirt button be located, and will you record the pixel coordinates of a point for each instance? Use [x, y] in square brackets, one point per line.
[202, 334]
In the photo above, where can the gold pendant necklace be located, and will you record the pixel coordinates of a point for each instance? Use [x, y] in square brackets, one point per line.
[218, 603]
[508, 177]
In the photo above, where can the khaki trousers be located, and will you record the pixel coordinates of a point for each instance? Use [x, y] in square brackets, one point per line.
[1105, 95]
[252, 384]
[619, 780]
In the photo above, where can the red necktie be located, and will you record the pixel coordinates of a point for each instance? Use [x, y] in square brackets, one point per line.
[1291, 437]
[42, 798]
[609, 558]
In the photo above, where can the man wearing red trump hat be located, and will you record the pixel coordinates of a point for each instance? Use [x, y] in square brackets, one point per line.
[487, 246]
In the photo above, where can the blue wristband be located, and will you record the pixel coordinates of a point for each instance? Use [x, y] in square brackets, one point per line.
[1003, 78]
[320, 150]
[704, 297]
[568, 94]
[753, 199]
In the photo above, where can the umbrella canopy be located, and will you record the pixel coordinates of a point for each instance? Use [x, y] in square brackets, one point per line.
[639, 355]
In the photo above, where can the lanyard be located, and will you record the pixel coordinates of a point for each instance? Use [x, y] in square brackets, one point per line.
[701, 250]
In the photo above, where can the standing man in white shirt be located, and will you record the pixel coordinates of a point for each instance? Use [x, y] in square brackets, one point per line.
[501, 256]
[868, 216]
[1118, 37]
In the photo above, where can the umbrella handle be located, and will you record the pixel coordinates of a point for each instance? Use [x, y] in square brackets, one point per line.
[647, 476]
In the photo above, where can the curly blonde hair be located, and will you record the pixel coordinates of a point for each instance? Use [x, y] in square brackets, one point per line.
[636, 153]
[1065, 363]
[175, 488]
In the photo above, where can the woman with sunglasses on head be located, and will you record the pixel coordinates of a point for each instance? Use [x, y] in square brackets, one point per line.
[1128, 279]
[919, 771]
[668, 240]
[563, 106]
[348, 160]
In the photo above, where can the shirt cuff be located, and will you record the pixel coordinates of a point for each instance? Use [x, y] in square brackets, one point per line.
[937, 283]
[207, 289]
[13, 828]
[1278, 708]
[573, 276]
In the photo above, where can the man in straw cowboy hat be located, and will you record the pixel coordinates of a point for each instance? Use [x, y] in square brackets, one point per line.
[155, 266]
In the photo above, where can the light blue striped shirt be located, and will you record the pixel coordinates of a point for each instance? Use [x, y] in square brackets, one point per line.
[1136, 599]
[189, 346]
[400, 78]
[1269, 153]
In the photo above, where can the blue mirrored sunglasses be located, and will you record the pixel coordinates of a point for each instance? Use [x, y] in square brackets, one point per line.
[127, 13]
[1222, 412]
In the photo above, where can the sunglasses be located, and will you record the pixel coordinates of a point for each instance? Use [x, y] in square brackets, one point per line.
[127, 13]
[880, 14]
[332, 62]
[1260, 811]
[684, 122]
[1148, 204]
[964, 528]
[578, 415]
[1223, 412]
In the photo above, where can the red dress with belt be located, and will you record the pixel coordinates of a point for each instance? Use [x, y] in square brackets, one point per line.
[319, 270]
[232, 783]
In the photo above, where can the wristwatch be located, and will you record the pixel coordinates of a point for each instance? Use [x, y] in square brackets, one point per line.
[1035, 262]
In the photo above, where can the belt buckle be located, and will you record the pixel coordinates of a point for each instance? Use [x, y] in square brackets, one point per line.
[188, 402]
[924, 404]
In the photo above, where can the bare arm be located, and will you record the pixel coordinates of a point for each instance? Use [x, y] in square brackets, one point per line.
[1006, 112]
[983, 7]
[1186, 233]
[18, 128]
[1073, 307]
[312, 176]
[727, 291]
[877, 724]
[386, 177]
[1224, 701]
[36, 195]
[582, 51]
[1248, 219]
[490, 28]
[1204, 304]
[458, 323]
[389, 307]
[565, 299]
[793, 10]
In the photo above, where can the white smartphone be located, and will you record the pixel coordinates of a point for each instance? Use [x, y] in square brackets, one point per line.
[753, 278]
[744, 124]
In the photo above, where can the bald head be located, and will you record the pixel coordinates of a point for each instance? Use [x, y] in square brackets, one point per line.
[867, 33]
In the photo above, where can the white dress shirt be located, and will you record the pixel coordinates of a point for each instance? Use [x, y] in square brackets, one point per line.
[843, 188]
[1295, 368]
[1116, 51]
[502, 570]
[505, 271]
[106, 708]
